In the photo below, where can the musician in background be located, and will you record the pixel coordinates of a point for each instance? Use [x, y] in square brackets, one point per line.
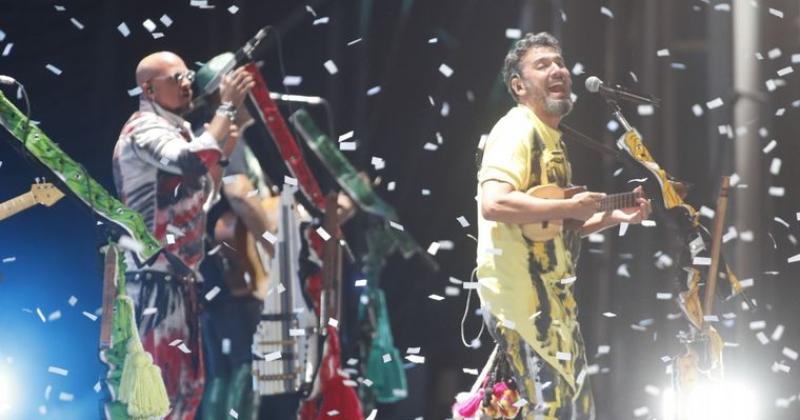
[232, 315]
[164, 172]
[526, 285]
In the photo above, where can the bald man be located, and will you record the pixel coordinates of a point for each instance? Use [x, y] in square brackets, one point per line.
[172, 177]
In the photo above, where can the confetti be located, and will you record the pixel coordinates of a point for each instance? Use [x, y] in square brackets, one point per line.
[416, 359]
[57, 370]
[662, 53]
[7, 49]
[776, 12]
[211, 294]
[149, 25]
[645, 110]
[311, 10]
[566, 356]
[233, 9]
[433, 40]
[606, 11]
[321, 21]
[332, 69]
[348, 146]
[433, 248]
[373, 90]
[714, 103]
[794, 259]
[333, 322]
[272, 356]
[135, 91]
[291, 80]
[72, 301]
[90, 315]
[722, 7]
[663, 296]
[513, 33]
[41, 315]
[64, 396]
[609, 314]
[77, 23]
[445, 70]
[769, 147]
[774, 53]
[354, 42]
[762, 338]
[166, 20]
[623, 227]
[184, 348]
[777, 191]
[435, 297]
[758, 325]
[55, 70]
[233, 412]
[785, 71]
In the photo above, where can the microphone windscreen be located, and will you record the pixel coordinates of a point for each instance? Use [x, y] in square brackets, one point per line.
[593, 84]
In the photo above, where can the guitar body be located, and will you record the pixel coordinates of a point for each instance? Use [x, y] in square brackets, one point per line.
[248, 269]
[547, 230]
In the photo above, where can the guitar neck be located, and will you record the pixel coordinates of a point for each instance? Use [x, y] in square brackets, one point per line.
[619, 201]
[16, 205]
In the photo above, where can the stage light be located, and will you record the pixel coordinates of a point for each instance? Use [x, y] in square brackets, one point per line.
[721, 401]
[7, 396]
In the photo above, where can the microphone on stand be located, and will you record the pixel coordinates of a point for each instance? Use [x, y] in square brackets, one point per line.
[617, 93]
[241, 56]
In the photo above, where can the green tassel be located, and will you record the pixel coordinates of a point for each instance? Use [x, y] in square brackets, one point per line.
[141, 386]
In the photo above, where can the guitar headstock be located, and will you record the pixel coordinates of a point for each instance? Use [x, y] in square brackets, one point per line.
[46, 194]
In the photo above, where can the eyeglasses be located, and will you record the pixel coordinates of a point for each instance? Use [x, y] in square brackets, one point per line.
[179, 77]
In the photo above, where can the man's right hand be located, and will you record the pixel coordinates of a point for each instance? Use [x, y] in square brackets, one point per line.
[235, 86]
[585, 204]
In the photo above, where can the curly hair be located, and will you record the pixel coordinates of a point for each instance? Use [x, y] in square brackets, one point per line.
[518, 51]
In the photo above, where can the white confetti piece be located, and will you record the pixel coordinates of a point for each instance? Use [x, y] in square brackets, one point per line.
[722, 7]
[373, 90]
[55, 70]
[623, 227]
[332, 69]
[701, 261]
[391, 186]
[577, 69]
[184, 348]
[311, 10]
[431, 147]
[57, 370]
[275, 355]
[603, 349]
[794, 259]
[377, 163]
[348, 146]
[7, 49]
[663, 296]
[166, 20]
[622, 271]
[361, 282]
[233, 412]
[65, 396]
[714, 103]
[762, 338]
[776, 12]
[758, 325]
[785, 71]
[233, 9]
[333, 322]
[290, 181]
[90, 315]
[769, 147]
[291, 80]
[513, 33]
[396, 225]
[170, 238]
[645, 110]
[321, 21]
[774, 53]
[697, 110]
[297, 332]
[269, 237]
[135, 91]
[597, 238]
[346, 136]
[152, 310]
[468, 371]
[77, 23]
[606, 11]
[416, 359]
[777, 191]
[41, 315]
[566, 356]
[386, 358]
[775, 166]
[433, 40]
[58, 7]
[662, 53]
[568, 280]
[433, 248]
[677, 66]
[641, 412]
[435, 297]
[354, 42]
[211, 294]
[648, 223]
[149, 25]
[609, 314]
[789, 353]
[445, 70]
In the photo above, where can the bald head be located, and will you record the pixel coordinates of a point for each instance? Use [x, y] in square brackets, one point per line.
[160, 75]
[156, 65]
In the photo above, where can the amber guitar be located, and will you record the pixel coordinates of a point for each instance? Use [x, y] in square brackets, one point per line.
[544, 231]
[44, 194]
[248, 272]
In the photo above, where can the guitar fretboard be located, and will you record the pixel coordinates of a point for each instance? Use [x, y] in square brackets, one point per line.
[16, 205]
[619, 201]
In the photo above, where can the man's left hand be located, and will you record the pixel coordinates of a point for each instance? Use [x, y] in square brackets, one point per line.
[633, 215]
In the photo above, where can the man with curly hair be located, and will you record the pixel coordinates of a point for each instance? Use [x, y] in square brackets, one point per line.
[526, 285]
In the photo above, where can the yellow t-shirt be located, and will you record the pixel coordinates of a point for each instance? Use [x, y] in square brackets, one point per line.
[528, 285]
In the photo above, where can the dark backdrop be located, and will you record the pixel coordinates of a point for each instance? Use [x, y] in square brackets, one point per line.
[402, 45]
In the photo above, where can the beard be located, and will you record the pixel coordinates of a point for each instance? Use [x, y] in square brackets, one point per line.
[557, 107]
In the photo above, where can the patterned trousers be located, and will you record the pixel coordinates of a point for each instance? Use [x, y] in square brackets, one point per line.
[549, 396]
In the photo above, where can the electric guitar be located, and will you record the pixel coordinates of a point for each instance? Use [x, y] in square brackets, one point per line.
[544, 231]
[45, 194]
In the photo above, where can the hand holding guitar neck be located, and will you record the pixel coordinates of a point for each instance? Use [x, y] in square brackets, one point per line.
[586, 204]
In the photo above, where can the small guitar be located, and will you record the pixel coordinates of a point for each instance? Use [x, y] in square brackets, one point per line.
[544, 231]
[45, 194]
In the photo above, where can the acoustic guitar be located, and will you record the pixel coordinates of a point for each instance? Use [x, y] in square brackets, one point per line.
[45, 194]
[249, 261]
[549, 229]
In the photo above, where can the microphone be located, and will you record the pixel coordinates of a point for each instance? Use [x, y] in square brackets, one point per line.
[245, 53]
[617, 93]
[7, 80]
